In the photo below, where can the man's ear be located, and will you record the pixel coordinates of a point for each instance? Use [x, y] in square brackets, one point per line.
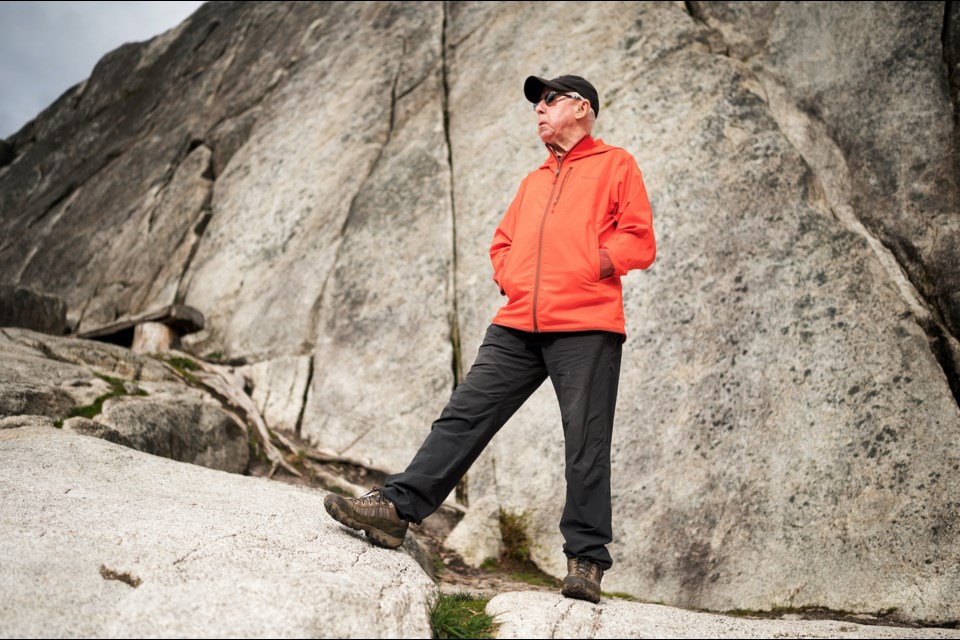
[582, 110]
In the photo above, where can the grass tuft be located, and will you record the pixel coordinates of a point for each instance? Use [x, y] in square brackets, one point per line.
[516, 540]
[184, 367]
[461, 615]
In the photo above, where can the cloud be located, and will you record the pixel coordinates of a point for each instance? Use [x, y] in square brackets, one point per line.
[47, 47]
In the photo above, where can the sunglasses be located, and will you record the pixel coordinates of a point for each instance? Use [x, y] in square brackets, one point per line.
[553, 96]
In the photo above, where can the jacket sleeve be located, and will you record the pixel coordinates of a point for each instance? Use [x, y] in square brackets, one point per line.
[632, 246]
[503, 238]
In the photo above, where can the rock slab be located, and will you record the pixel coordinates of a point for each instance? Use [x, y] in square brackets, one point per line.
[99, 540]
[541, 615]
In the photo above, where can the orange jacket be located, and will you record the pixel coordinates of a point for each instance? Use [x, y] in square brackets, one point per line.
[546, 251]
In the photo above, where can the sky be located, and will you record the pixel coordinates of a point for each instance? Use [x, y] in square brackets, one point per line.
[47, 47]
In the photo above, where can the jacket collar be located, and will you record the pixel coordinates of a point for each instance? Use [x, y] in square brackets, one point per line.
[586, 146]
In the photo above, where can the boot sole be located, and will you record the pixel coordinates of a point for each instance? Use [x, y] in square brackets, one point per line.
[377, 536]
[580, 589]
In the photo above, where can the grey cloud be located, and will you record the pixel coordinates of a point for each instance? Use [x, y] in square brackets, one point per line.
[47, 47]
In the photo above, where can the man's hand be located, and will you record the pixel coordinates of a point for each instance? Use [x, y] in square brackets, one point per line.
[606, 264]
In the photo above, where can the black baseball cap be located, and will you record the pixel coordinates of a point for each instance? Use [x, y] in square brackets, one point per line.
[534, 86]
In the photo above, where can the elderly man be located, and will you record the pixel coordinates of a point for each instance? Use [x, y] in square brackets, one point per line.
[578, 223]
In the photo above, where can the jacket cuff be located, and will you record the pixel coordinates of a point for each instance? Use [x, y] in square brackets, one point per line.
[618, 270]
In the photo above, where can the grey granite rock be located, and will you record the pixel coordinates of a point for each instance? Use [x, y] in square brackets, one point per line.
[28, 309]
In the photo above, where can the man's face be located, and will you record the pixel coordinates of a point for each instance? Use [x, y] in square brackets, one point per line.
[554, 120]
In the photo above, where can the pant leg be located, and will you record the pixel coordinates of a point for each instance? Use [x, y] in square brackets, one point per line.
[585, 370]
[508, 369]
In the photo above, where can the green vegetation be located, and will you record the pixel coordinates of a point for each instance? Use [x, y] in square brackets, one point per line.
[516, 541]
[515, 552]
[619, 594]
[537, 578]
[184, 366]
[808, 612]
[96, 407]
[461, 615]
[256, 449]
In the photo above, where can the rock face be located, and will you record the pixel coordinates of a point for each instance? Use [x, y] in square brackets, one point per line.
[118, 396]
[102, 541]
[325, 186]
[774, 371]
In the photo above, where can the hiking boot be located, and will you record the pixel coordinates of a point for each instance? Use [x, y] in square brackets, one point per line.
[373, 514]
[583, 580]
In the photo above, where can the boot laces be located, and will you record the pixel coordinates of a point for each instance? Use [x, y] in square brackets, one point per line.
[583, 567]
[374, 498]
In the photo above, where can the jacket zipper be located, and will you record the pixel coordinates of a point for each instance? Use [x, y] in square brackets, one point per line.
[543, 222]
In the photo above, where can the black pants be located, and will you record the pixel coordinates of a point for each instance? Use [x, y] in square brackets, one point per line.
[585, 370]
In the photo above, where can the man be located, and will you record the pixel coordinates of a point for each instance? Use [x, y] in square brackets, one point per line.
[577, 224]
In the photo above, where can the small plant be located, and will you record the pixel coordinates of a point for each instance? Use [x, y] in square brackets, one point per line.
[256, 449]
[619, 594]
[184, 367]
[516, 541]
[461, 615]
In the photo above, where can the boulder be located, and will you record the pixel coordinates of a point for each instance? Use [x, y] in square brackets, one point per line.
[477, 537]
[109, 392]
[100, 540]
[188, 429]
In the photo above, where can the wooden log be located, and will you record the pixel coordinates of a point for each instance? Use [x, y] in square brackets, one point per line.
[181, 318]
[154, 337]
